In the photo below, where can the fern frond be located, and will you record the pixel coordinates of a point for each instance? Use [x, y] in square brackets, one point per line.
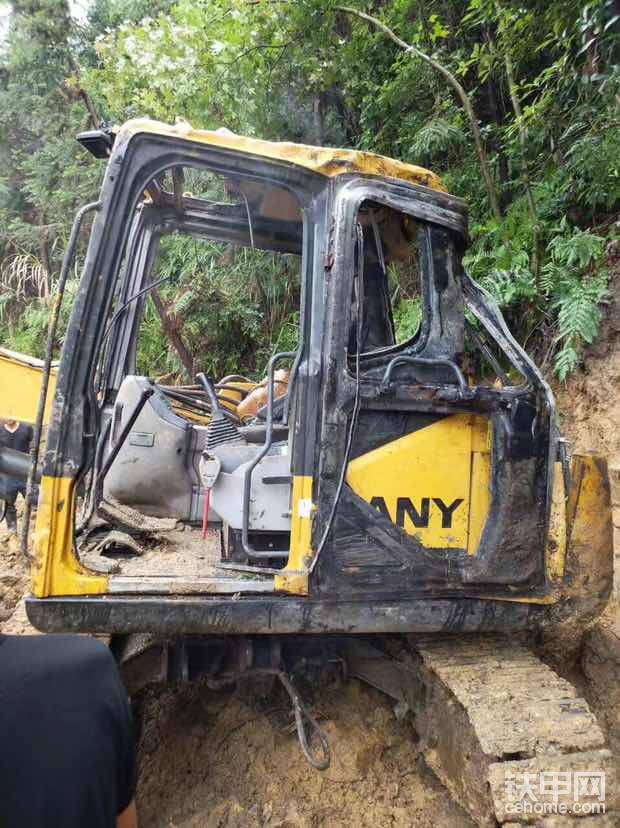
[436, 137]
[566, 360]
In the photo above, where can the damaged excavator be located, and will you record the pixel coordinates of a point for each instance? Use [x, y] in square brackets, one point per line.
[382, 511]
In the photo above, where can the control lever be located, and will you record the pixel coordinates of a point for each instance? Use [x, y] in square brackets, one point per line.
[210, 394]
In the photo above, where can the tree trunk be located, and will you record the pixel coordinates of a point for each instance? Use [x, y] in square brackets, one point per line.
[83, 94]
[527, 183]
[44, 257]
[503, 170]
[483, 160]
[171, 329]
[319, 120]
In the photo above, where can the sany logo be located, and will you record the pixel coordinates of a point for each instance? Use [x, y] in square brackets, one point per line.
[420, 518]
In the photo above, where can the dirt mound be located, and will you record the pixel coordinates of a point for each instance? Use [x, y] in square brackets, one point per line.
[13, 576]
[220, 760]
[589, 402]
[589, 406]
[601, 667]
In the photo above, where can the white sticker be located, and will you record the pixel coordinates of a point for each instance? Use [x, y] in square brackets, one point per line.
[304, 507]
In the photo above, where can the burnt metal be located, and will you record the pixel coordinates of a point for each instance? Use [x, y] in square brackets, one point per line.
[164, 616]
[485, 309]
[370, 576]
[352, 425]
[484, 349]
[410, 360]
[366, 553]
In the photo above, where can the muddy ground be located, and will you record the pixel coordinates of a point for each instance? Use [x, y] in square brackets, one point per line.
[232, 759]
[238, 763]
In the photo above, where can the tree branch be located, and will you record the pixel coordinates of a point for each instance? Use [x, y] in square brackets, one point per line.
[83, 94]
[460, 91]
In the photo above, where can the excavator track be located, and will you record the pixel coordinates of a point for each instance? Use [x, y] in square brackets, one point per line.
[511, 740]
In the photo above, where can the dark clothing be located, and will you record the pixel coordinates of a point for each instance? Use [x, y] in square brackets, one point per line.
[10, 515]
[67, 755]
[18, 440]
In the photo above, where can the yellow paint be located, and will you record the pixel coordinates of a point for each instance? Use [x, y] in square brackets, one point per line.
[555, 552]
[293, 583]
[294, 578]
[20, 387]
[189, 413]
[323, 160]
[56, 569]
[443, 460]
[589, 559]
[589, 507]
[233, 394]
[548, 598]
[234, 391]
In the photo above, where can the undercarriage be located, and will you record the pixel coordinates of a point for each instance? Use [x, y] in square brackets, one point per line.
[508, 737]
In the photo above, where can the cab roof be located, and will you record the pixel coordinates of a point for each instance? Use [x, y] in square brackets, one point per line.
[325, 161]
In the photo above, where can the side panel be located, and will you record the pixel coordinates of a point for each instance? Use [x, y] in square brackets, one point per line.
[426, 483]
[20, 387]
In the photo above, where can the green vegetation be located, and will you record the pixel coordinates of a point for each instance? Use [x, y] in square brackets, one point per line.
[514, 104]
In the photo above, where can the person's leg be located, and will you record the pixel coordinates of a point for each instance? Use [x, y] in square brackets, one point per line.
[10, 514]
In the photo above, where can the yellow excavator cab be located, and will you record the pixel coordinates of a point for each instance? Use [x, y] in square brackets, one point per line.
[377, 489]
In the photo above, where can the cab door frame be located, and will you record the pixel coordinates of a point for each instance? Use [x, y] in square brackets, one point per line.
[510, 558]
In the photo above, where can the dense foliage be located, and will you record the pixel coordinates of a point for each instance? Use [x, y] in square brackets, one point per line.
[515, 104]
